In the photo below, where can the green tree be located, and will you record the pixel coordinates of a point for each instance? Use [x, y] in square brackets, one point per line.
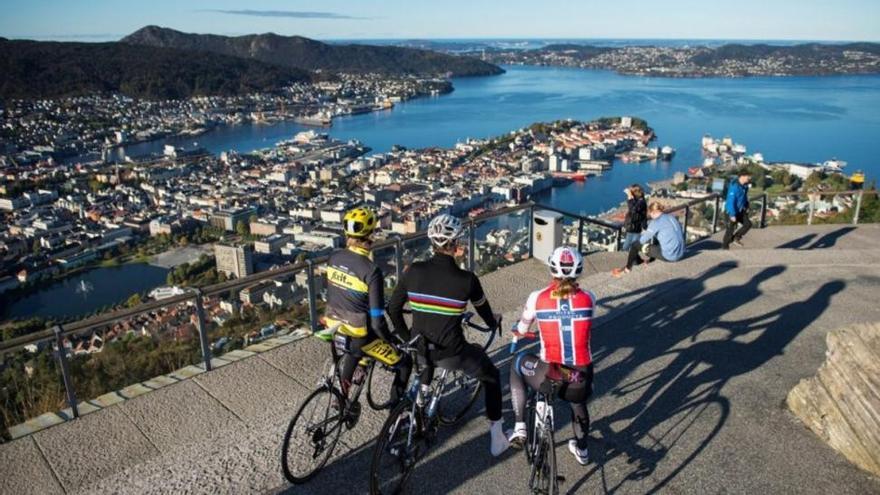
[134, 300]
[242, 229]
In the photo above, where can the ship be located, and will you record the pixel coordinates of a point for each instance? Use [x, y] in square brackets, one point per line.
[575, 176]
[160, 293]
[666, 153]
[320, 119]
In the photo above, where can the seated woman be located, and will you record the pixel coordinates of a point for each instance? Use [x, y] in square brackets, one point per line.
[668, 233]
[564, 313]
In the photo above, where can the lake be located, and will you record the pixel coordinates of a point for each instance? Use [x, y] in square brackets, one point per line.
[85, 292]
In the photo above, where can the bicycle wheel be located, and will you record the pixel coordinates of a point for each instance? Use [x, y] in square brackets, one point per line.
[398, 448]
[543, 478]
[458, 395]
[380, 386]
[312, 435]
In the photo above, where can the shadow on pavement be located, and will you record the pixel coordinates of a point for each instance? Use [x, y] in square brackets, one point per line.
[828, 240]
[686, 392]
[669, 415]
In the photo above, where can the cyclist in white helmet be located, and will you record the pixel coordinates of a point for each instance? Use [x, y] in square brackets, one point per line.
[438, 292]
[563, 312]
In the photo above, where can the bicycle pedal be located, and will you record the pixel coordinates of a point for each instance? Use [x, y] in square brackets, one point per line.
[560, 478]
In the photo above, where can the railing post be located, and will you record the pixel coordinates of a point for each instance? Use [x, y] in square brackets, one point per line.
[858, 208]
[398, 257]
[61, 354]
[472, 246]
[618, 239]
[687, 212]
[810, 215]
[203, 330]
[580, 235]
[715, 216]
[531, 230]
[764, 211]
[313, 296]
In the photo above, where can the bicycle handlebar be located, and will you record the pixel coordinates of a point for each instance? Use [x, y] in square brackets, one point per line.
[468, 316]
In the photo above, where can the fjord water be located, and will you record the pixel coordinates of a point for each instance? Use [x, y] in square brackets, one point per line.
[804, 119]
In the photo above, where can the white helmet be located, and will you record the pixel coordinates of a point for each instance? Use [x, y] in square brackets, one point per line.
[566, 262]
[444, 229]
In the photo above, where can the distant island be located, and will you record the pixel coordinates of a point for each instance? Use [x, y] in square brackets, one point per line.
[305, 53]
[731, 60]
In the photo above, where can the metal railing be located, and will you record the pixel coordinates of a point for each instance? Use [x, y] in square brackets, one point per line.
[196, 296]
[812, 198]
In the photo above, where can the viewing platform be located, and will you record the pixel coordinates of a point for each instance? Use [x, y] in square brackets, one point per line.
[694, 361]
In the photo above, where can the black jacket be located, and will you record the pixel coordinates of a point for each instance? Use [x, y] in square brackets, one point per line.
[636, 215]
[355, 292]
[438, 292]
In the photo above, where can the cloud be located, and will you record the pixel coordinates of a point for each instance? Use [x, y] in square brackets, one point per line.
[286, 13]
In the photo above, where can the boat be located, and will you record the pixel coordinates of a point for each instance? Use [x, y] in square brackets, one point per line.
[575, 176]
[666, 153]
[160, 293]
[320, 119]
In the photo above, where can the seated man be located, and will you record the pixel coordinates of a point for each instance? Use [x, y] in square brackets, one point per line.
[669, 234]
[438, 292]
[355, 301]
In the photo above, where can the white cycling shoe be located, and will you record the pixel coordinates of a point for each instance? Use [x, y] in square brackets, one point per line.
[582, 456]
[518, 436]
[499, 442]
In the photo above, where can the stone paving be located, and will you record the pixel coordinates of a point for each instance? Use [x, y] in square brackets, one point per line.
[693, 363]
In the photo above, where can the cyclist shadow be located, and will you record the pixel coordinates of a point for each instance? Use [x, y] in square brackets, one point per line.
[674, 413]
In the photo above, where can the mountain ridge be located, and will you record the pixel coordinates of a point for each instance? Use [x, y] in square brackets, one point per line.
[49, 69]
[306, 53]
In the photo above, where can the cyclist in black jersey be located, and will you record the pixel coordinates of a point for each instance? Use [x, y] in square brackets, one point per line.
[438, 292]
[356, 301]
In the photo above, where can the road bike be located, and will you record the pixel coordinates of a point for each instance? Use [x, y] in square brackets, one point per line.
[411, 428]
[314, 431]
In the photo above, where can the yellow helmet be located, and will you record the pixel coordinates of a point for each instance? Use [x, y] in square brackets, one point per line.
[360, 222]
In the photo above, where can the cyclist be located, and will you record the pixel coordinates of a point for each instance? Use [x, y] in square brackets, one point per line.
[438, 292]
[563, 312]
[355, 302]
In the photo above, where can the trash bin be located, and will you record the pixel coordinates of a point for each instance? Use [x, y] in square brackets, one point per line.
[546, 233]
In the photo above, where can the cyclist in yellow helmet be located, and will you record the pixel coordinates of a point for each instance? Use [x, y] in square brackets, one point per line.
[356, 301]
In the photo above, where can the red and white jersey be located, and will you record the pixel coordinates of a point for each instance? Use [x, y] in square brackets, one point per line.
[563, 324]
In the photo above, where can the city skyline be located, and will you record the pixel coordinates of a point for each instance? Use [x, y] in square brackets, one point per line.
[102, 20]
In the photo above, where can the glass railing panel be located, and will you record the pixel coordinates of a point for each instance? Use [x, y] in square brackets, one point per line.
[248, 314]
[132, 356]
[502, 241]
[416, 250]
[29, 386]
[599, 238]
[833, 208]
[788, 209]
[699, 220]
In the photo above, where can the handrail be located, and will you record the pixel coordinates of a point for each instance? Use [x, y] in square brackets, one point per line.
[692, 202]
[602, 223]
[214, 289]
[816, 193]
[89, 323]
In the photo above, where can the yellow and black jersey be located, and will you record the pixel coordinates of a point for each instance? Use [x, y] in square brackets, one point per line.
[355, 295]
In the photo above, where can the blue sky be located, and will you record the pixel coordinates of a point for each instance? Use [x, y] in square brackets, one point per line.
[98, 20]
